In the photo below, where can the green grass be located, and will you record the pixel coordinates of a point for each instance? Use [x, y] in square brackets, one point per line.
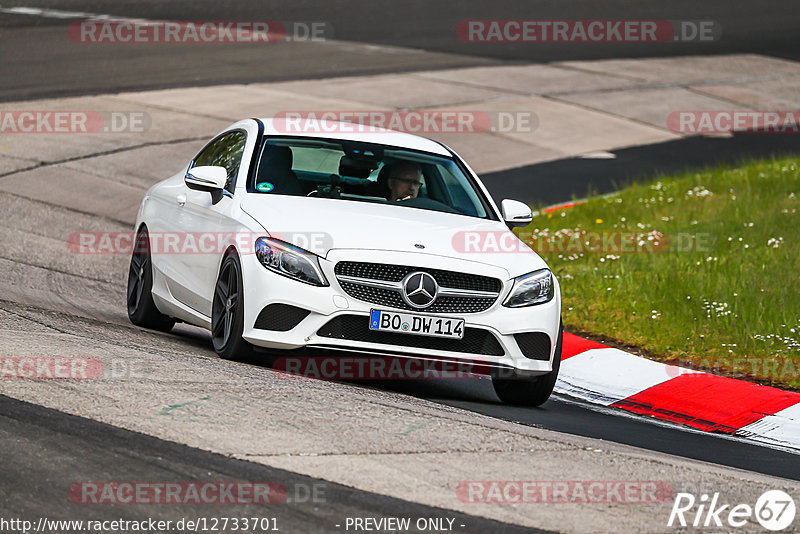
[720, 292]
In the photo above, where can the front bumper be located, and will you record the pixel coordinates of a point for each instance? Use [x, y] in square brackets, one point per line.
[332, 305]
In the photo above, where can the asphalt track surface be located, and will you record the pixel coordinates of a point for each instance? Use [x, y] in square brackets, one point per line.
[39, 60]
[563, 180]
[51, 451]
[37, 63]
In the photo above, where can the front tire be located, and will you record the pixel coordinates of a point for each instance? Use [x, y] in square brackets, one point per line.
[142, 310]
[227, 313]
[530, 391]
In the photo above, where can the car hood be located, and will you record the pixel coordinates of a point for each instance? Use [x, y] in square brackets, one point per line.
[321, 225]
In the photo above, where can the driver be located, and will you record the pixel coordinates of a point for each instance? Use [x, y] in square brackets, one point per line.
[405, 179]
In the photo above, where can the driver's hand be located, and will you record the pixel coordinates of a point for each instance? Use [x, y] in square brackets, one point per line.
[404, 198]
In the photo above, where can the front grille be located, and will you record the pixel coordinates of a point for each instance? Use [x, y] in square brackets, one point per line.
[534, 345]
[280, 317]
[395, 273]
[356, 328]
[387, 297]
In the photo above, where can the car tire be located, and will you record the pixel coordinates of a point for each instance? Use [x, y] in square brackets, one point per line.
[227, 313]
[142, 310]
[530, 391]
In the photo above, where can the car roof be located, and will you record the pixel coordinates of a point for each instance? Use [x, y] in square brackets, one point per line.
[352, 132]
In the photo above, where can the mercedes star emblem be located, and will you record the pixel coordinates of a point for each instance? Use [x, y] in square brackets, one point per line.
[419, 289]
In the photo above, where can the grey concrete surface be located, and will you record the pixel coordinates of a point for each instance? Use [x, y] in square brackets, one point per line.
[692, 70]
[534, 79]
[394, 91]
[648, 106]
[772, 94]
[579, 106]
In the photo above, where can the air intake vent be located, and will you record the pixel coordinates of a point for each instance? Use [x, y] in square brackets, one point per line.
[534, 345]
[280, 317]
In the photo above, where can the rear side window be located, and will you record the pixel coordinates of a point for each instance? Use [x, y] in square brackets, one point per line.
[226, 151]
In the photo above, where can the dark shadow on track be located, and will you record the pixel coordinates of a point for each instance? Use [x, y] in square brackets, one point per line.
[53, 453]
[562, 180]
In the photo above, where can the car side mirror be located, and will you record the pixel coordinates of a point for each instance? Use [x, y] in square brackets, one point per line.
[206, 178]
[516, 213]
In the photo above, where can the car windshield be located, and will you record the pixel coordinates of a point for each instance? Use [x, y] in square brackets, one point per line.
[366, 172]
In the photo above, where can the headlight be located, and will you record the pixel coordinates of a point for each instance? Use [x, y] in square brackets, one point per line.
[290, 261]
[533, 288]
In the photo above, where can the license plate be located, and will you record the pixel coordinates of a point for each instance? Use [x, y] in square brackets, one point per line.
[411, 323]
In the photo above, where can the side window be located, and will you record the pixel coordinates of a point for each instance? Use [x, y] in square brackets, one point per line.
[224, 152]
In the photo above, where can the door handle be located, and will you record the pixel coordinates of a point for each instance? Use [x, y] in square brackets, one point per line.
[181, 199]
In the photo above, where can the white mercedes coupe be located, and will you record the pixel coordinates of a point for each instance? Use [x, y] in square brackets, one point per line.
[347, 239]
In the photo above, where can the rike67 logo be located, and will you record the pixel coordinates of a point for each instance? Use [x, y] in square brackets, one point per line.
[774, 510]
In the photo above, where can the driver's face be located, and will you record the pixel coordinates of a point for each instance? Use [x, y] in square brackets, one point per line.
[404, 184]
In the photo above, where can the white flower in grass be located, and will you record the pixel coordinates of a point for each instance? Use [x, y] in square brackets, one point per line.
[716, 309]
[699, 192]
[775, 242]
